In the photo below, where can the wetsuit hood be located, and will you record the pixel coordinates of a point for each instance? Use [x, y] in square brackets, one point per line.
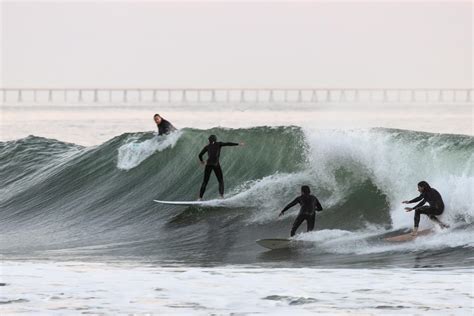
[305, 190]
[212, 139]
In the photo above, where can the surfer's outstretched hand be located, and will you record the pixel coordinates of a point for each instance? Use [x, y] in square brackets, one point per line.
[408, 209]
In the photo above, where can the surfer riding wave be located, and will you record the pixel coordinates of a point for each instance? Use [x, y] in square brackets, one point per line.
[213, 150]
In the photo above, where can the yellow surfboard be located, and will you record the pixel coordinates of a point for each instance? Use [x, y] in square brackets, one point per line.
[409, 236]
[275, 243]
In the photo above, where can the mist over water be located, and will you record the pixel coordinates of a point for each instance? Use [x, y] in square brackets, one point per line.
[96, 124]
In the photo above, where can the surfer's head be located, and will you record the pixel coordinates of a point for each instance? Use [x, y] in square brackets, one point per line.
[305, 190]
[423, 186]
[212, 139]
[157, 118]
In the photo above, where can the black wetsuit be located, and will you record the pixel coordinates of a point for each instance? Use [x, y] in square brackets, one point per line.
[436, 205]
[213, 152]
[165, 127]
[309, 204]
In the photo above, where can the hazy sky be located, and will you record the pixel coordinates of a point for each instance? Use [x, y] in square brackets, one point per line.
[236, 44]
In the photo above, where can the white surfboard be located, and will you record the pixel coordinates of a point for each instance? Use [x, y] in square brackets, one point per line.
[274, 243]
[204, 203]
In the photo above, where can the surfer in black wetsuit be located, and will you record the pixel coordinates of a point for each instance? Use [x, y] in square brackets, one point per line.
[212, 163]
[164, 126]
[435, 207]
[309, 204]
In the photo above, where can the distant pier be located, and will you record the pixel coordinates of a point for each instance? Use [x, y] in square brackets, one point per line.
[150, 96]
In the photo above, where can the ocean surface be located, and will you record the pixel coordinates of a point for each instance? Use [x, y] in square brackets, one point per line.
[80, 233]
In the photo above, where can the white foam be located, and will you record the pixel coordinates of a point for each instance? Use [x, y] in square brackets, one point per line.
[339, 241]
[74, 287]
[264, 195]
[133, 152]
[394, 166]
[365, 241]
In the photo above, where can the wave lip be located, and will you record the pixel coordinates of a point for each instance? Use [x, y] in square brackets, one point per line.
[135, 150]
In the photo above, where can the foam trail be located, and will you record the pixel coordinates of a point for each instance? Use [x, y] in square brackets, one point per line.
[133, 152]
[370, 241]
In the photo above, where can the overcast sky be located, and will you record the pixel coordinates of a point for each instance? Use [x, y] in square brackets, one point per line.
[240, 44]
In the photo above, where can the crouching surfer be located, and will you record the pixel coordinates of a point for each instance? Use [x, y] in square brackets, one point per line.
[309, 205]
[435, 207]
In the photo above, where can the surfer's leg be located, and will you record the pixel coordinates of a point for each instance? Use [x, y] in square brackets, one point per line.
[416, 218]
[436, 219]
[299, 219]
[220, 178]
[207, 174]
[418, 212]
[310, 222]
[432, 212]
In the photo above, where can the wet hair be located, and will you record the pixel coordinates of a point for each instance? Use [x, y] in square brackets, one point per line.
[156, 115]
[305, 189]
[212, 138]
[424, 185]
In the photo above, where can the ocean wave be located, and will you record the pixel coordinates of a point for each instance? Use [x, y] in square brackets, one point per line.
[64, 196]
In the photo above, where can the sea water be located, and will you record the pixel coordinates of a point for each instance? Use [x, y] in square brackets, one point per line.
[80, 231]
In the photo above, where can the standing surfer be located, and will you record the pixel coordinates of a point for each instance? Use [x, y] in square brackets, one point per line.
[164, 126]
[309, 205]
[213, 150]
[435, 207]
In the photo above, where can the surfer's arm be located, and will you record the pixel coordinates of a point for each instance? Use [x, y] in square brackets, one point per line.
[423, 201]
[419, 198]
[319, 208]
[293, 203]
[203, 151]
[420, 204]
[229, 144]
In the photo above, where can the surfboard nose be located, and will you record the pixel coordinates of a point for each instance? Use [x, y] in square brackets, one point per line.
[275, 243]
